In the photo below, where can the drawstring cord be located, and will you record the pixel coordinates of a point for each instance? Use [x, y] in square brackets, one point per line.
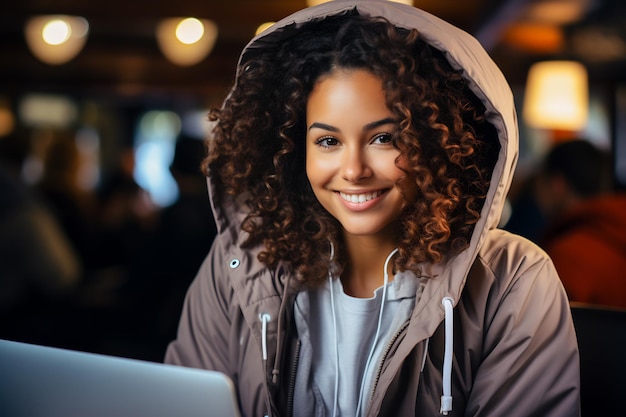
[380, 320]
[446, 398]
[265, 318]
[332, 309]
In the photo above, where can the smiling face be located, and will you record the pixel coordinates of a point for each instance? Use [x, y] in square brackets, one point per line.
[350, 156]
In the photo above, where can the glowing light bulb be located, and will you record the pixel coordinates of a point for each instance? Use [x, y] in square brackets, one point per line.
[189, 30]
[56, 32]
[56, 39]
[186, 41]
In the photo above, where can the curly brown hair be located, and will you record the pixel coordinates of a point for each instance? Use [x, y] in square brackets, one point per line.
[258, 145]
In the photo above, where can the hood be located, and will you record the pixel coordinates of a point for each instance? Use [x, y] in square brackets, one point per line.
[464, 53]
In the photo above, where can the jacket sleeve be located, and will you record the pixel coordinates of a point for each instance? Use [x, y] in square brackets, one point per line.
[530, 360]
[203, 334]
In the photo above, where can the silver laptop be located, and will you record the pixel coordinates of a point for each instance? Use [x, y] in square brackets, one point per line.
[40, 381]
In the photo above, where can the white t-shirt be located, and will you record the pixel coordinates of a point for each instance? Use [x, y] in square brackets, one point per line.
[356, 320]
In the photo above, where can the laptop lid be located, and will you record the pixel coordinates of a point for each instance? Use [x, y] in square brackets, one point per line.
[40, 381]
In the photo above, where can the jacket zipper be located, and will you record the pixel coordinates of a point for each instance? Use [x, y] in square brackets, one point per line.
[379, 371]
[292, 379]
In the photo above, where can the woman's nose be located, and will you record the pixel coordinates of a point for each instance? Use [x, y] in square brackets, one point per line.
[354, 165]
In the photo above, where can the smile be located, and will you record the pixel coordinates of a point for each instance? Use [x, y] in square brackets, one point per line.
[360, 198]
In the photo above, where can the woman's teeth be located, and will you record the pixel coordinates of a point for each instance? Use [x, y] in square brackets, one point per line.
[359, 198]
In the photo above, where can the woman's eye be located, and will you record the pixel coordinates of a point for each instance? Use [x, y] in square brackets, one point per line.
[383, 139]
[327, 142]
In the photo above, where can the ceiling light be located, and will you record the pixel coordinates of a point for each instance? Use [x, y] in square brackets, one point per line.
[186, 41]
[557, 96]
[56, 39]
[189, 30]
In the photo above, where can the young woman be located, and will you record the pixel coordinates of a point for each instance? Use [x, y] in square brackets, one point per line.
[357, 173]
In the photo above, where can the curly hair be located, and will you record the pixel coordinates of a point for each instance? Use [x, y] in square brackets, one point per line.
[258, 149]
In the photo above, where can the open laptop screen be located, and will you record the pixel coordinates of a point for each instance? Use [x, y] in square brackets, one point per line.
[40, 381]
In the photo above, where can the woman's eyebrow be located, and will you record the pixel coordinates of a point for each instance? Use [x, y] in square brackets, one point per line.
[385, 121]
[323, 126]
[369, 126]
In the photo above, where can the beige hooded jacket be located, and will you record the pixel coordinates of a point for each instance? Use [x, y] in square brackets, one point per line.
[510, 340]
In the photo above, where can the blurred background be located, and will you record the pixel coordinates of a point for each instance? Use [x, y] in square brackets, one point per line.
[104, 217]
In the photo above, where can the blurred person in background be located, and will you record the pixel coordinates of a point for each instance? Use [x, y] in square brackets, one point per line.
[39, 267]
[169, 260]
[60, 188]
[126, 214]
[585, 231]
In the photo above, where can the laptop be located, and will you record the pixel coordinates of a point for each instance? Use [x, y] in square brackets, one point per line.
[41, 381]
